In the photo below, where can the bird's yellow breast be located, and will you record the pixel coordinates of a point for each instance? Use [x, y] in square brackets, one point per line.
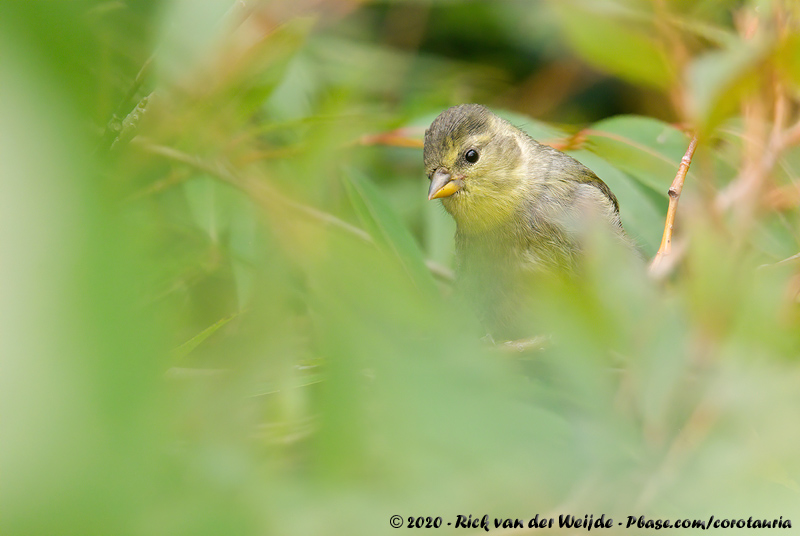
[478, 209]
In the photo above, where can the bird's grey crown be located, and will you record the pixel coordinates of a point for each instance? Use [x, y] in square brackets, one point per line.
[453, 124]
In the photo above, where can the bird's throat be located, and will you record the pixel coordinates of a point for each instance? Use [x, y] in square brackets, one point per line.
[475, 213]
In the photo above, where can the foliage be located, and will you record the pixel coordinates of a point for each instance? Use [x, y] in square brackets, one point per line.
[227, 302]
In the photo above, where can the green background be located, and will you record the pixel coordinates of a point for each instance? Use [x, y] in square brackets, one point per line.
[226, 302]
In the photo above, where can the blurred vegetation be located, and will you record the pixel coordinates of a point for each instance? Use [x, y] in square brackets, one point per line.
[226, 300]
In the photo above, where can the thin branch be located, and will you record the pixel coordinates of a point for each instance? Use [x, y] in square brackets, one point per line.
[402, 137]
[782, 198]
[674, 196]
[573, 142]
[793, 258]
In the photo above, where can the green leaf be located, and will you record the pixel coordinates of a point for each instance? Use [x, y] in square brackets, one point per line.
[201, 195]
[243, 244]
[188, 35]
[213, 205]
[718, 80]
[186, 348]
[647, 149]
[439, 230]
[387, 229]
[616, 40]
[266, 65]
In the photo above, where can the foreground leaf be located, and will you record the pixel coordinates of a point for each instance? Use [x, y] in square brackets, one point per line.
[388, 230]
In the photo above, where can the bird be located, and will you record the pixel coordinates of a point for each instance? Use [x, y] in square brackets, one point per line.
[521, 208]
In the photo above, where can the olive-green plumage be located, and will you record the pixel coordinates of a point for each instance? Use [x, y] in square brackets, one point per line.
[520, 207]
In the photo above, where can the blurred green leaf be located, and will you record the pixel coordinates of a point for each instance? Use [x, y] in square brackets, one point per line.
[267, 63]
[439, 232]
[186, 348]
[718, 80]
[605, 35]
[189, 34]
[203, 196]
[387, 229]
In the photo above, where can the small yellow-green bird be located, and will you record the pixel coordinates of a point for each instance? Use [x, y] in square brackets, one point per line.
[520, 208]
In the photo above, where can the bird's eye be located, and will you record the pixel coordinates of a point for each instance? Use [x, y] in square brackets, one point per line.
[471, 156]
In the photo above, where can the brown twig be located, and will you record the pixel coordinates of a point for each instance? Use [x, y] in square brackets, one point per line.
[575, 141]
[401, 137]
[782, 198]
[674, 195]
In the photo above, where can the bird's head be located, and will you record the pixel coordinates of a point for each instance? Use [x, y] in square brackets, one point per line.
[474, 162]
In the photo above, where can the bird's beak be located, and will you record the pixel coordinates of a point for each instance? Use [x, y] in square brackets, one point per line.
[442, 185]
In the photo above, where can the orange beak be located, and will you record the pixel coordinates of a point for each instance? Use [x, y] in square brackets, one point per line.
[442, 185]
